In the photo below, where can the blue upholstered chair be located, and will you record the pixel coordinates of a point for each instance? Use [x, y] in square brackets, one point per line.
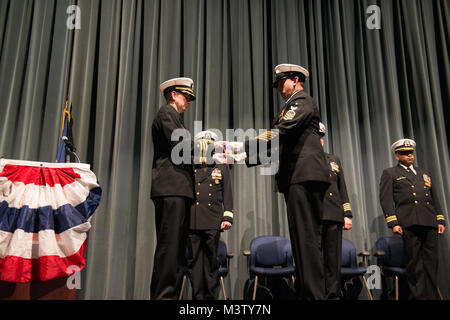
[269, 256]
[390, 255]
[349, 264]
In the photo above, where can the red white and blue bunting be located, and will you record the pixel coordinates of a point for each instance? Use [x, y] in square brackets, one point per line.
[45, 209]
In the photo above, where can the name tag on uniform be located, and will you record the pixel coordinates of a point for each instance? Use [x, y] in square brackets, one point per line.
[400, 178]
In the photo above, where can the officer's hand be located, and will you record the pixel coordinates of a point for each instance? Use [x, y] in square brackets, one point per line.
[398, 230]
[225, 225]
[347, 223]
[441, 228]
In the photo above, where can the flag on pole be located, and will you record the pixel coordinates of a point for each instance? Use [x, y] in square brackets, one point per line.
[66, 131]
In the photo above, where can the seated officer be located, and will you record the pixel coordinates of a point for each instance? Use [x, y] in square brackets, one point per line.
[211, 213]
[412, 210]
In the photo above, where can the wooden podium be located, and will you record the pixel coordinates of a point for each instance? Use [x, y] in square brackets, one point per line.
[55, 289]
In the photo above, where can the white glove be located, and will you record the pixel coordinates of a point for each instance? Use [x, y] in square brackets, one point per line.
[239, 157]
[235, 146]
[222, 158]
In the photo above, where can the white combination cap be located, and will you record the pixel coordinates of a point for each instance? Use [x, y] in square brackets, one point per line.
[183, 85]
[206, 135]
[286, 70]
[403, 145]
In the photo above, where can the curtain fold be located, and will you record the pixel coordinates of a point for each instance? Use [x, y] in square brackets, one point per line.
[372, 87]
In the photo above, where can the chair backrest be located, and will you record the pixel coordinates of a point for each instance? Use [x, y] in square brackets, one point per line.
[348, 254]
[270, 251]
[393, 248]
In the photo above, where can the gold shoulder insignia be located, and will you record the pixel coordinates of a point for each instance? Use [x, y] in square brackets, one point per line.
[289, 115]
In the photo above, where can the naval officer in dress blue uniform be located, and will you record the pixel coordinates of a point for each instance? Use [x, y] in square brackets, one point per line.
[337, 216]
[172, 189]
[411, 208]
[302, 176]
[211, 213]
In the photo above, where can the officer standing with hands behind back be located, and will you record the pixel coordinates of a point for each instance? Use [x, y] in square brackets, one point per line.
[211, 213]
[411, 208]
[337, 215]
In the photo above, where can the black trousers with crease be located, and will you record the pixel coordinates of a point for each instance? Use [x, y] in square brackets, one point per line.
[171, 218]
[305, 211]
[421, 253]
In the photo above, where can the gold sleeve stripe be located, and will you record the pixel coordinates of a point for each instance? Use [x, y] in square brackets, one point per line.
[266, 136]
[203, 146]
[228, 214]
[347, 207]
[390, 219]
[440, 217]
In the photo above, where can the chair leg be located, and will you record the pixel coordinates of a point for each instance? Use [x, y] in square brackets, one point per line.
[254, 288]
[367, 287]
[396, 288]
[182, 288]
[223, 288]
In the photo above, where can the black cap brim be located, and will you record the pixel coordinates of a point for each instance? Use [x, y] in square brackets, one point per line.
[275, 82]
[188, 93]
[282, 76]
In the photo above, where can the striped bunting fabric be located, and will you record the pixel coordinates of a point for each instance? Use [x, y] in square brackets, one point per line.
[45, 209]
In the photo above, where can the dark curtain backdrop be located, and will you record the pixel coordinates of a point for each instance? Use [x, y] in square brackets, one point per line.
[372, 86]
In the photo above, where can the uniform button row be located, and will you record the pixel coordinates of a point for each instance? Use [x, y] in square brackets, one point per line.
[198, 203]
[209, 194]
[416, 202]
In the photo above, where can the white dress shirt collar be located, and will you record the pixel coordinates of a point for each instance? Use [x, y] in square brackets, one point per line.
[410, 168]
